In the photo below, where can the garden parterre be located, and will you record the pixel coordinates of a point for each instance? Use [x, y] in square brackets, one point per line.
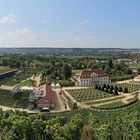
[88, 94]
[132, 87]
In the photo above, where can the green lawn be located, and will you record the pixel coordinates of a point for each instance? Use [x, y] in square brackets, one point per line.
[137, 65]
[75, 72]
[120, 77]
[112, 105]
[104, 101]
[28, 83]
[6, 100]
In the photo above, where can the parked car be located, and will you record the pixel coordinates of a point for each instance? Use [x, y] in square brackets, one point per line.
[45, 109]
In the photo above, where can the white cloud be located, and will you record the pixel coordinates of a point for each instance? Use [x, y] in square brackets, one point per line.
[10, 19]
[22, 37]
[85, 21]
[23, 34]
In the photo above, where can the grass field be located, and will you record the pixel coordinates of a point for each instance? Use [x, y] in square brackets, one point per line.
[112, 105]
[135, 65]
[104, 101]
[75, 72]
[28, 83]
[6, 100]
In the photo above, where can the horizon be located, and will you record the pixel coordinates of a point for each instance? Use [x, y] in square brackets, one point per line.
[66, 24]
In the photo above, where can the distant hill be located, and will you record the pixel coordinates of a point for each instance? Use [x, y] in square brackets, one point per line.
[59, 51]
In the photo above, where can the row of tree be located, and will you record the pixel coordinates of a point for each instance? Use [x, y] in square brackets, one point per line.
[111, 89]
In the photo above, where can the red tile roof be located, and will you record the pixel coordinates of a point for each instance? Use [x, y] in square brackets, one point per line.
[89, 72]
[48, 95]
[137, 77]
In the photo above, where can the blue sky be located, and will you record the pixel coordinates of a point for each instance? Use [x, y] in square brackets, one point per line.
[70, 23]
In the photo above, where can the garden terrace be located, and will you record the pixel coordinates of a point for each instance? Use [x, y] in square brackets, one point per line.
[5, 72]
[88, 94]
[132, 87]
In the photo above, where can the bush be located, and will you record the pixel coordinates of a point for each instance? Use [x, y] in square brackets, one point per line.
[66, 83]
[120, 89]
[125, 90]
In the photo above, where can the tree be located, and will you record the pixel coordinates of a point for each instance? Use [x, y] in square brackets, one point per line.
[87, 133]
[17, 64]
[115, 92]
[108, 86]
[128, 71]
[116, 88]
[99, 87]
[111, 87]
[138, 70]
[120, 89]
[110, 64]
[106, 89]
[107, 69]
[66, 71]
[125, 90]
[15, 96]
[104, 85]
[110, 91]
[4, 62]
[102, 88]
[96, 86]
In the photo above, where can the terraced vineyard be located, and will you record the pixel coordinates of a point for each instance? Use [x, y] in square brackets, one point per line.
[131, 86]
[88, 94]
[5, 69]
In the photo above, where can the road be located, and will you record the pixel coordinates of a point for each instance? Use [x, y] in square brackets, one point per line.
[124, 81]
[6, 87]
[61, 101]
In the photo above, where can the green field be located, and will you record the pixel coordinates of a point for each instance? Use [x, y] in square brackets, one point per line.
[135, 65]
[6, 100]
[112, 105]
[104, 101]
[120, 77]
[28, 83]
[74, 72]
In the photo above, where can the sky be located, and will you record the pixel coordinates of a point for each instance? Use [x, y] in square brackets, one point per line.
[70, 23]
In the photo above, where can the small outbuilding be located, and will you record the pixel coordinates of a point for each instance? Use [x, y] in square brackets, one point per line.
[58, 85]
[53, 85]
[136, 78]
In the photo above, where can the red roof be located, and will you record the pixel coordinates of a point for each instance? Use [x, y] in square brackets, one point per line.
[48, 99]
[92, 73]
[137, 77]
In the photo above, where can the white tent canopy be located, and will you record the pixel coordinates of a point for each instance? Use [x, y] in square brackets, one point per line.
[52, 85]
[58, 85]
[27, 88]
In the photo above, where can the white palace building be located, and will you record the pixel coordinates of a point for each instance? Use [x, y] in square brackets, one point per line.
[91, 77]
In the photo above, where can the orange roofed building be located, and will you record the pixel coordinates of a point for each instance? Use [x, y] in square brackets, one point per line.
[44, 97]
[136, 78]
[91, 77]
